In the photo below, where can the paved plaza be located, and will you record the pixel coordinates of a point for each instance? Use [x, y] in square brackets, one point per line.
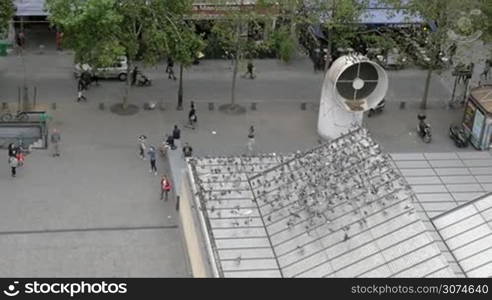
[95, 211]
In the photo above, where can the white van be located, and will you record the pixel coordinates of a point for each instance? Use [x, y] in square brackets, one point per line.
[118, 70]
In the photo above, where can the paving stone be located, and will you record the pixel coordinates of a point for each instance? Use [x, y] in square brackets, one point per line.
[253, 274]
[484, 203]
[379, 272]
[404, 247]
[239, 232]
[467, 196]
[464, 187]
[417, 172]
[481, 170]
[477, 260]
[246, 253]
[482, 272]
[242, 243]
[478, 162]
[249, 264]
[428, 267]
[470, 235]
[484, 178]
[452, 171]
[437, 156]
[473, 247]
[474, 155]
[423, 180]
[461, 227]
[229, 223]
[434, 188]
[458, 179]
[414, 164]
[407, 156]
[413, 258]
[487, 187]
[435, 197]
[446, 163]
[440, 207]
[320, 258]
[454, 216]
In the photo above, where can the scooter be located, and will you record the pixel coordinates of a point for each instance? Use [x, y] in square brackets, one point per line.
[379, 108]
[424, 129]
[143, 80]
[459, 136]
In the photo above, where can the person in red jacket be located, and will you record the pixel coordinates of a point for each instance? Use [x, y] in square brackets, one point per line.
[165, 187]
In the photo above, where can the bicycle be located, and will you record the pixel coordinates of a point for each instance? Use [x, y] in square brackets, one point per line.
[19, 116]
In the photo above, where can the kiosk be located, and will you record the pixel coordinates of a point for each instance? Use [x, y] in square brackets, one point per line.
[477, 118]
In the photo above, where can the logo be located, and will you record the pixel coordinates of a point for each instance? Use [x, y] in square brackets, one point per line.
[466, 27]
[11, 291]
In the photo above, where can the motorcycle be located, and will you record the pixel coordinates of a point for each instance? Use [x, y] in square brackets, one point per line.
[143, 80]
[459, 136]
[379, 108]
[424, 129]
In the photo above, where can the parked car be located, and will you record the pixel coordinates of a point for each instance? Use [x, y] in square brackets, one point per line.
[117, 70]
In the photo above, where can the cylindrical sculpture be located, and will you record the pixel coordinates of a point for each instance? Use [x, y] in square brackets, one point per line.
[352, 85]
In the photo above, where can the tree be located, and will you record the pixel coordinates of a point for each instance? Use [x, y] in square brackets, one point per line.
[186, 44]
[448, 23]
[7, 10]
[101, 30]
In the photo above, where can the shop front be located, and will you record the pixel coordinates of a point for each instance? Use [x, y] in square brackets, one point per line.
[477, 118]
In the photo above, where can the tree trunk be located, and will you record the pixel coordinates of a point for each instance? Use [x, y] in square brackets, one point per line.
[423, 105]
[180, 89]
[234, 77]
[237, 56]
[127, 87]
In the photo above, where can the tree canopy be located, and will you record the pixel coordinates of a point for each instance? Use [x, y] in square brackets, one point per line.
[7, 10]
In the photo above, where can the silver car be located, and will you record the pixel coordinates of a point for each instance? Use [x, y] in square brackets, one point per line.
[118, 70]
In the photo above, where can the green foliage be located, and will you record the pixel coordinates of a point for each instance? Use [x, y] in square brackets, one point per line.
[6, 14]
[284, 43]
[101, 30]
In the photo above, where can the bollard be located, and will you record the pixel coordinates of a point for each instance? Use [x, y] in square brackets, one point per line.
[402, 105]
[211, 106]
[177, 203]
[303, 106]
[102, 106]
[53, 105]
[253, 106]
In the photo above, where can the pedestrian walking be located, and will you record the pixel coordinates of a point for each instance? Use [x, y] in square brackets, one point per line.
[152, 158]
[142, 146]
[170, 69]
[13, 163]
[176, 132]
[55, 140]
[12, 150]
[59, 40]
[134, 75]
[192, 119]
[486, 69]
[250, 71]
[165, 187]
[80, 96]
[251, 139]
[170, 141]
[187, 150]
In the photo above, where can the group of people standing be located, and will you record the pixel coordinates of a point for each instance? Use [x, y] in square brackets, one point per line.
[150, 151]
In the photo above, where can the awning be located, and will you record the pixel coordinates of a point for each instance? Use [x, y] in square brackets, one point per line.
[30, 8]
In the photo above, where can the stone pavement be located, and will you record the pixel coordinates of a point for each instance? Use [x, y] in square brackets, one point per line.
[98, 202]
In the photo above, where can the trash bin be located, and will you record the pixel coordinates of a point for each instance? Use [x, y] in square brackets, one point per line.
[3, 47]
